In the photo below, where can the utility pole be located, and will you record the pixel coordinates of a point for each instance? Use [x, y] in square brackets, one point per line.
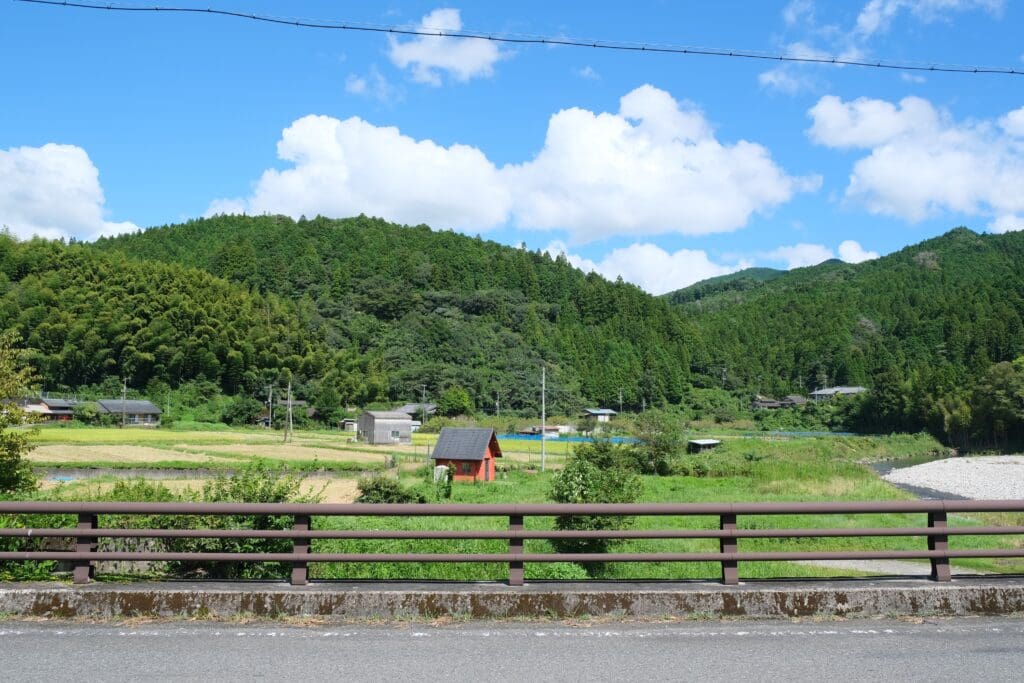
[497, 405]
[288, 425]
[124, 398]
[423, 405]
[270, 406]
[620, 400]
[543, 417]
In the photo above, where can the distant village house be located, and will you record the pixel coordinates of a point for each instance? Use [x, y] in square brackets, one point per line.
[599, 414]
[384, 427]
[50, 409]
[469, 453]
[831, 392]
[768, 403]
[133, 413]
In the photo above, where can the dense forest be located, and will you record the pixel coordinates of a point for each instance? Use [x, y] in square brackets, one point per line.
[358, 311]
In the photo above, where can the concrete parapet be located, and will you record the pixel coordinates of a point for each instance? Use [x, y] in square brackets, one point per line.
[358, 601]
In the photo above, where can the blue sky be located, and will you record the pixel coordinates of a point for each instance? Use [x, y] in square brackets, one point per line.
[664, 169]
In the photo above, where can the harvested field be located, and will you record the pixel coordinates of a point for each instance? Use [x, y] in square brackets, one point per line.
[330, 489]
[289, 451]
[78, 453]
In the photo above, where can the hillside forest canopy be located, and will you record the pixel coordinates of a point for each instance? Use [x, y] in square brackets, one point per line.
[359, 312]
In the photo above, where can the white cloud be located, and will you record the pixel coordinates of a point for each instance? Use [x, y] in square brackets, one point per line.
[908, 77]
[342, 168]
[587, 73]
[428, 57]
[878, 15]
[1006, 223]
[851, 252]
[798, 11]
[1013, 123]
[921, 162]
[655, 167]
[785, 79]
[799, 255]
[650, 267]
[373, 85]
[53, 191]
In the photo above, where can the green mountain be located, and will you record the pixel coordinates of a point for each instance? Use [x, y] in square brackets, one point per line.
[720, 291]
[950, 306]
[440, 309]
[88, 315]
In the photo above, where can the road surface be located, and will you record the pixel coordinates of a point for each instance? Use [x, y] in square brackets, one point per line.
[872, 650]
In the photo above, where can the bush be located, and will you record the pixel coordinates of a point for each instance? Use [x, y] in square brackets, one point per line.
[596, 473]
[382, 489]
[254, 484]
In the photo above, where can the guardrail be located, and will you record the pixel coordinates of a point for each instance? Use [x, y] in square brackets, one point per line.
[87, 533]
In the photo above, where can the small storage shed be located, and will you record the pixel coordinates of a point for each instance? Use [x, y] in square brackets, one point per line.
[469, 453]
[701, 445]
[382, 426]
[600, 414]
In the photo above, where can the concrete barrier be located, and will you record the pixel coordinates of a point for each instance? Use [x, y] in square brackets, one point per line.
[975, 596]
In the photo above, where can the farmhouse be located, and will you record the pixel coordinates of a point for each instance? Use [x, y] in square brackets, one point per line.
[831, 392]
[599, 414]
[469, 453]
[50, 409]
[134, 413]
[418, 411]
[382, 426]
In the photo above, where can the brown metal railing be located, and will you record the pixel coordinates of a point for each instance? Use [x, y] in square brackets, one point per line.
[87, 533]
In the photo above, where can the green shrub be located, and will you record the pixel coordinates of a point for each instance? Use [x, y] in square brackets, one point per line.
[595, 473]
[383, 489]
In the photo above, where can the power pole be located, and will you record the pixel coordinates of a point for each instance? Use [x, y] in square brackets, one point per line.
[270, 406]
[543, 417]
[497, 405]
[124, 399]
[289, 425]
[423, 405]
[620, 400]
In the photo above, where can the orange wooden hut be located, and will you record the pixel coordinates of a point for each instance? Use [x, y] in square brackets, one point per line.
[469, 453]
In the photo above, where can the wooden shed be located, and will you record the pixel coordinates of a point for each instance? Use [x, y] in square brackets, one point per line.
[384, 427]
[701, 445]
[469, 453]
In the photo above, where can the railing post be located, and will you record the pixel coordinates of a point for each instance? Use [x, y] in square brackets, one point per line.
[940, 565]
[730, 568]
[515, 547]
[300, 570]
[85, 569]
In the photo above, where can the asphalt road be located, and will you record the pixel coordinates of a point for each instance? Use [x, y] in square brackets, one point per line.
[871, 650]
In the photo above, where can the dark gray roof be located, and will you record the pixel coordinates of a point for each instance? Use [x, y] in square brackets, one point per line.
[111, 405]
[415, 409]
[599, 411]
[464, 444]
[58, 403]
[388, 415]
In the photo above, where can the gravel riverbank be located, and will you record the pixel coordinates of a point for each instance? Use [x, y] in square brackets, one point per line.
[982, 477]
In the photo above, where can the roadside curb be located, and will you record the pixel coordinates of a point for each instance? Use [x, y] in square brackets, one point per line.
[975, 596]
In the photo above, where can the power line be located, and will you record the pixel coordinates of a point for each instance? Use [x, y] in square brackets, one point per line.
[517, 39]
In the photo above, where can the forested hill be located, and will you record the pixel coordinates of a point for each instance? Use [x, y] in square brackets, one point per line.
[442, 309]
[87, 317]
[933, 315]
[722, 290]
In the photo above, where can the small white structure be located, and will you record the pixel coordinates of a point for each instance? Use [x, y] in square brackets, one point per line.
[832, 392]
[700, 445]
[599, 414]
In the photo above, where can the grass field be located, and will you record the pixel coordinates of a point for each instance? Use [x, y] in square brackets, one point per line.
[741, 469]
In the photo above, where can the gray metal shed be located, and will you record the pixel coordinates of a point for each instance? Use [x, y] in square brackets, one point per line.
[385, 427]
